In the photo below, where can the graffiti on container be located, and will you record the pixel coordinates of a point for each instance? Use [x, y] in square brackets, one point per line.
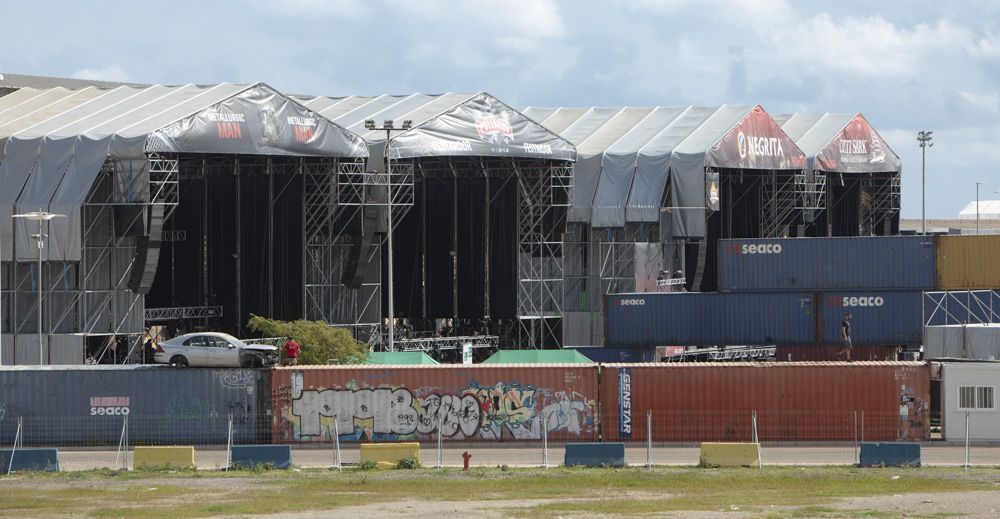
[911, 413]
[510, 410]
[236, 379]
[3, 411]
[242, 412]
[181, 409]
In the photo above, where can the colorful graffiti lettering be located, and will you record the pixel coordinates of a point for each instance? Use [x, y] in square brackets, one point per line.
[489, 412]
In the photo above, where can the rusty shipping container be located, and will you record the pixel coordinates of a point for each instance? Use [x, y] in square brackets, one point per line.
[829, 353]
[467, 403]
[968, 262]
[794, 401]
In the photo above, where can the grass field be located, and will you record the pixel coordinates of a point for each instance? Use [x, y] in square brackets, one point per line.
[773, 491]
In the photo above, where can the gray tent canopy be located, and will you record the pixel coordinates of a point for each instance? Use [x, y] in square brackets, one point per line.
[451, 124]
[627, 155]
[55, 142]
[840, 143]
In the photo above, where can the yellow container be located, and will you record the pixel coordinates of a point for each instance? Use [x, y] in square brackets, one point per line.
[163, 457]
[388, 455]
[730, 454]
[968, 262]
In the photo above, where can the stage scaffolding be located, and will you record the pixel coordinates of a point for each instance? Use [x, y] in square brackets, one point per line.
[322, 199]
[92, 296]
[543, 190]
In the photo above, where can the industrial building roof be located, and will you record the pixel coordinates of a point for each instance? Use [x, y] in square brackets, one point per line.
[15, 81]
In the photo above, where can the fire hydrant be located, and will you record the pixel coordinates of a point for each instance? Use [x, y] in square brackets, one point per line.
[466, 456]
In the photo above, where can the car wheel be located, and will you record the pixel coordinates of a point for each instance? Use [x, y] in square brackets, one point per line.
[179, 361]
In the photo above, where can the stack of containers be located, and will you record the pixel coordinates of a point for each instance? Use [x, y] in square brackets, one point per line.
[962, 318]
[770, 289]
[880, 280]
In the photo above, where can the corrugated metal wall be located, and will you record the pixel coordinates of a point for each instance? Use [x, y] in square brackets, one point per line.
[829, 353]
[968, 262]
[69, 406]
[894, 262]
[388, 403]
[880, 317]
[793, 401]
[709, 319]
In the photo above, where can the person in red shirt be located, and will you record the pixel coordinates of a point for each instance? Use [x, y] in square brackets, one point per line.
[291, 352]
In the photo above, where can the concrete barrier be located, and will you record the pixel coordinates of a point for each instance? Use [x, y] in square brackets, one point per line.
[890, 454]
[388, 455]
[30, 459]
[250, 456]
[163, 457]
[595, 454]
[730, 454]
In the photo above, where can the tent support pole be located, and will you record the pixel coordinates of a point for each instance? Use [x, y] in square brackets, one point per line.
[270, 238]
[423, 248]
[486, 247]
[454, 247]
[239, 260]
[204, 237]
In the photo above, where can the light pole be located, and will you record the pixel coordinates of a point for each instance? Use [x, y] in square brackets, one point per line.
[39, 216]
[978, 182]
[389, 127]
[924, 138]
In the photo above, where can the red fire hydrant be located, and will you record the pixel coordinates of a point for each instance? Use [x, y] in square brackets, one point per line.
[466, 456]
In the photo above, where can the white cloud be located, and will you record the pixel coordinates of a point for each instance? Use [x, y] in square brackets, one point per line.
[988, 100]
[308, 9]
[113, 72]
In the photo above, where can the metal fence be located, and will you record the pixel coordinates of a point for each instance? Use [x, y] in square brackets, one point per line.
[650, 439]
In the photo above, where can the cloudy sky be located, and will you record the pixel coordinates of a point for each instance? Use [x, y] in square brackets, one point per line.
[907, 65]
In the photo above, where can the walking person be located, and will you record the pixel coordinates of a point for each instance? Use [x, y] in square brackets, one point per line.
[845, 337]
[292, 349]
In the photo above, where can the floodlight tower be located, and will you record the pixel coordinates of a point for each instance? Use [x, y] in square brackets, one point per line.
[388, 126]
[924, 138]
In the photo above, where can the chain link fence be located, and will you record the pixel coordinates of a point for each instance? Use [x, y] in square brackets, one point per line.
[651, 439]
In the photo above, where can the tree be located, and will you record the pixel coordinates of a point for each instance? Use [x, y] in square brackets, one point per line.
[321, 343]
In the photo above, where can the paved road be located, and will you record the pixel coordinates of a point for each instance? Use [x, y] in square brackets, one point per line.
[215, 457]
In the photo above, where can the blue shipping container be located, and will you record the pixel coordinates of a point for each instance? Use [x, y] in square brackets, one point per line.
[709, 319]
[880, 317]
[890, 262]
[617, 355]
[86, 405]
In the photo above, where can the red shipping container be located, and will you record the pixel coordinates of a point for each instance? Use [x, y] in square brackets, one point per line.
[793, 401]
[829, 353]
[467, 403]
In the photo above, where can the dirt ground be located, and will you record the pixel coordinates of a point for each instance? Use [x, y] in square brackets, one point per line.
[964, 504]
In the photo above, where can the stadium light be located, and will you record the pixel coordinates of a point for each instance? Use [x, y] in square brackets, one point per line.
[388, 126]
[39, 216]
[924, 138]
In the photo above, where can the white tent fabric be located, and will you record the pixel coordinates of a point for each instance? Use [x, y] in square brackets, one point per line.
[55, 142]
[626, 156]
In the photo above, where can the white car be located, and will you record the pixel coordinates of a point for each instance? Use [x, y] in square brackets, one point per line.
[214, 349]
